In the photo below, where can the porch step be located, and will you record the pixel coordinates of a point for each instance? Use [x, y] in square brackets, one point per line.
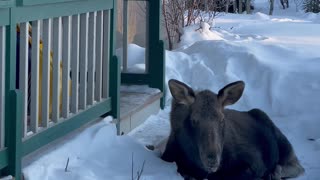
[137, 103]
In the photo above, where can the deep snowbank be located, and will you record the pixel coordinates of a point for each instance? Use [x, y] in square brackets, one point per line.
[273, 75]
[97, 153]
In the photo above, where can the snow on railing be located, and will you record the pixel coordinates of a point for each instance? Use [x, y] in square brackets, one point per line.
[2, 84]
[69, 67]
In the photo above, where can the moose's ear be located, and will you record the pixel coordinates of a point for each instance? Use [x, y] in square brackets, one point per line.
[231, 93]
[182, 93]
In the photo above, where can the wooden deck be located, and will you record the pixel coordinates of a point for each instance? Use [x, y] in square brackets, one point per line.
[137, 103]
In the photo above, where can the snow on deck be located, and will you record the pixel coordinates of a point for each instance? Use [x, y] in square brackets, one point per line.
[133, 98]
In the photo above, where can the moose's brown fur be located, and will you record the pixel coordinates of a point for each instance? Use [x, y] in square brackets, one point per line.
[208, 141]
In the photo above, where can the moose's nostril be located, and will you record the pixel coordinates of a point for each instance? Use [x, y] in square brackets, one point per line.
[212, 160]
[211, 157]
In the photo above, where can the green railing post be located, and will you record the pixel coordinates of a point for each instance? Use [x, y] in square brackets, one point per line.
[14, 133]
[4, 21]
[115, 90]
[115, 72]
[156, 49]
[13, 103]
[113, 29]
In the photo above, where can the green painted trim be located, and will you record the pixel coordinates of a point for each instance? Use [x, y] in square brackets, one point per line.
[13, 107]
[161, 75]
[11, 36]
[36, 2]
[31, 13]
[4, 14]
[114, 71]
[156, 49]
[3, 158]
[132, 78]
[13, 134]
[115, 89]
[6, 3]
[113, 29]
[61, 129]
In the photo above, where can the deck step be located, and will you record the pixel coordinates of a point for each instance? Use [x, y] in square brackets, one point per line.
[137, 103]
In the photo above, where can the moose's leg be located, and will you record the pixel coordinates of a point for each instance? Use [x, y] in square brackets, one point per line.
[291, 169]
[290, 166]
[187, 177]
[244, 171]
[246, 174]
[170, 152]
[275, 175]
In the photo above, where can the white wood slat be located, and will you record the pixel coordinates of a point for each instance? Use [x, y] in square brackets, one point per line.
[56, 69]
[75, 63]
[99, 45]
[2, 81]
[83, 60]
[23, 74]
[66, 40]
[106, 53]
[91, 57]
[34, 104]
[47, 25]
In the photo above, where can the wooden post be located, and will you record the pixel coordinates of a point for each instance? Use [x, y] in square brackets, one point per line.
[156, 49]
[114, 72]
[14, 133]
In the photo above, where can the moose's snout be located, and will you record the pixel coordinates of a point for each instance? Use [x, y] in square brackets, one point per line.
[213, 163]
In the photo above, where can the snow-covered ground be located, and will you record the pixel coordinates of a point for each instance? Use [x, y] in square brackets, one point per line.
[278, 57]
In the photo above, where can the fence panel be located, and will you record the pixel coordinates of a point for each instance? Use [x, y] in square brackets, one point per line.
[56, 86]
[63, 67]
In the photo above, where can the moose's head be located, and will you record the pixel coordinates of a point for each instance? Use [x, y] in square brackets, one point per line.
[200, 120]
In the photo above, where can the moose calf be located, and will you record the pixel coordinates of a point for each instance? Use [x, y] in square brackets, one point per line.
[210, 142]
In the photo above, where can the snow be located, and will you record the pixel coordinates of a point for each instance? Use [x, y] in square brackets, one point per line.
[276, 56]
[138, 88]
[6, 178]
[97, 153]
[136, 58]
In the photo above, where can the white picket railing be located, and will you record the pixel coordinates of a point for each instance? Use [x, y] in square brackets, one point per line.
[2, 84]
[73, 72]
